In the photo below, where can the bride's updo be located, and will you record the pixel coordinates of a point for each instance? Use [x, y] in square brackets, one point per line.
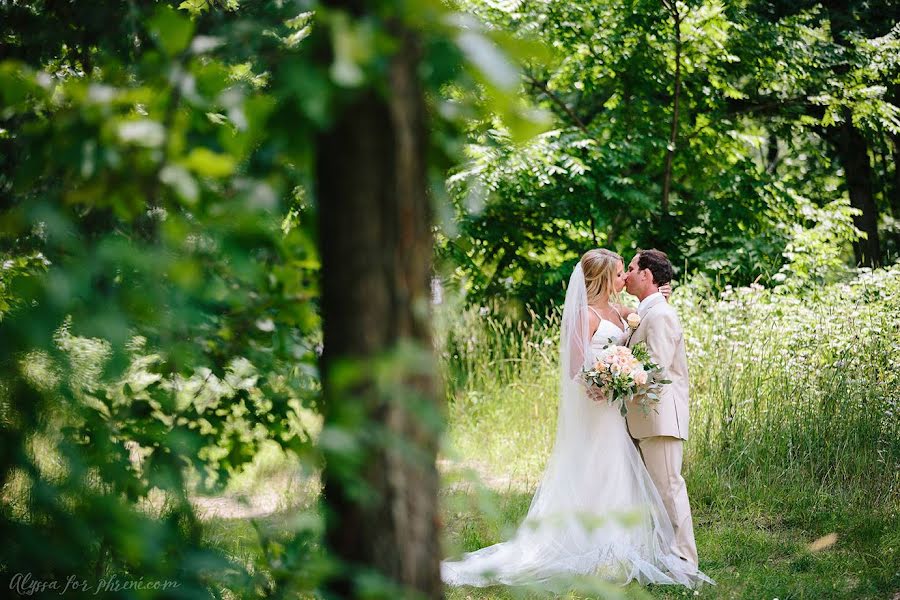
[599, 267]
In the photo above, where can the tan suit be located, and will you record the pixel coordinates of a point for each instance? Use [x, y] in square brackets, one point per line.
[661, 434]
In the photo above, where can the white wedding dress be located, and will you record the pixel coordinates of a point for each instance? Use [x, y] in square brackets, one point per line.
[596, 511]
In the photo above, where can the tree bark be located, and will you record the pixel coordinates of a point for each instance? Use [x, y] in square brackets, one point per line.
[382, 423]
[853, 150]
[772, 156]
[853, 154]
[895, 185]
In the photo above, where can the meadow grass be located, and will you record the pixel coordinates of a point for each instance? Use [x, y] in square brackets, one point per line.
[793, 462]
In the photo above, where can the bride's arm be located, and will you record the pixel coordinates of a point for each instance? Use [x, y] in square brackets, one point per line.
[593, 323]
[576, 344]
[576, 357]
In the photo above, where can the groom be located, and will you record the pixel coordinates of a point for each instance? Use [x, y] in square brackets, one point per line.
[661, 434]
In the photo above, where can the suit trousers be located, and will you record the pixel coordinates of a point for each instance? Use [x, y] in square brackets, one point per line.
[663, 456]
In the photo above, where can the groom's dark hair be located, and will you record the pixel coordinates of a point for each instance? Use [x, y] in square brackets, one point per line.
[658, 263]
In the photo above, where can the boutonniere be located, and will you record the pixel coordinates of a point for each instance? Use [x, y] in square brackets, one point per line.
[633, 320]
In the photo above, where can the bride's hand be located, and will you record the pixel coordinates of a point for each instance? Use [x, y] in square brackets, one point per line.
[666, 291]
[595, 393]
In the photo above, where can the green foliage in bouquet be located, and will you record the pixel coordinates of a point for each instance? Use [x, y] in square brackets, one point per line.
[642, 353]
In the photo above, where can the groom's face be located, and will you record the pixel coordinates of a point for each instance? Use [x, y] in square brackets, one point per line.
[635, 279]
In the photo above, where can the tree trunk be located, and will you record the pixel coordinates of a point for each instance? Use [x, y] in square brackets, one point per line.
[772, 156]
[382, 416]
[853, 153]
[853, 150]
[895, 185]
[893, 188]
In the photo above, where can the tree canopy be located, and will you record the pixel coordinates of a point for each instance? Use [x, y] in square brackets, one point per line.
[724, 133]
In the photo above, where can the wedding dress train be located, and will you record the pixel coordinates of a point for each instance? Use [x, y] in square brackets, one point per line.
[596, 510]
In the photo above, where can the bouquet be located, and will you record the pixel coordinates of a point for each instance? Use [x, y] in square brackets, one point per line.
[627, 376]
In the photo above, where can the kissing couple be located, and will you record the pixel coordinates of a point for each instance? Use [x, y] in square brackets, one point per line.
[611, 502]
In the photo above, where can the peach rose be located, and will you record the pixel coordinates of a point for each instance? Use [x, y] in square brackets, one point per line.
[640, 377]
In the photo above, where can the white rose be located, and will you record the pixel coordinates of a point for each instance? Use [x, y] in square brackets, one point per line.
[634, 320]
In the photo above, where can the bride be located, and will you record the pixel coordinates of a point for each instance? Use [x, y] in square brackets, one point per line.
[596, 511]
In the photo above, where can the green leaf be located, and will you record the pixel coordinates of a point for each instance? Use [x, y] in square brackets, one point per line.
[171, 30]
[195, 7]
[210, 164]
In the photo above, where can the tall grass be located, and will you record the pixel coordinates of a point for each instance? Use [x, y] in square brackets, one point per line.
[799, 389]
[785, 390]
[501, 378]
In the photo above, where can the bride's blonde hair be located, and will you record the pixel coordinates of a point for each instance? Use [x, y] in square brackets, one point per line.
[599, 267]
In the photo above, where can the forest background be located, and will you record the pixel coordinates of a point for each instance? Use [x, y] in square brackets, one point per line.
[232, 232]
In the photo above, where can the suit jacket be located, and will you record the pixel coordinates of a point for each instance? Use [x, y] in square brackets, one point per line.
[661, 330]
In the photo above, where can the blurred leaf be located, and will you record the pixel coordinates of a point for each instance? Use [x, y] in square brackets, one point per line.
[171, 30]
